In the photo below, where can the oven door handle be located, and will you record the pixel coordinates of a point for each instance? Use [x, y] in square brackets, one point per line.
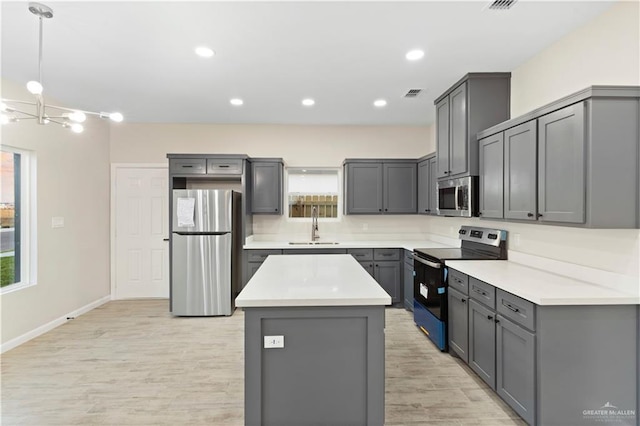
[426, 262]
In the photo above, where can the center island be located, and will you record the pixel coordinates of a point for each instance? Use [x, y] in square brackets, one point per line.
[314, 342]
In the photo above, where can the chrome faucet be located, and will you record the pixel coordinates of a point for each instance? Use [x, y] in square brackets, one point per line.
[314, 224]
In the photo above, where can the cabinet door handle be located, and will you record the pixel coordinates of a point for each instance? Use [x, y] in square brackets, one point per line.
[529, 214]
[489, 317]
[379, 210]
[427, 210]
[497, 320]
[511, 308]
[479, 213]
[386, 210]
[463, 301]
[165, 239]
[539, 215]
[276, 209]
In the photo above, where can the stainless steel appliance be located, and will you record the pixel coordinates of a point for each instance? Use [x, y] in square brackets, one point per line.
[458, 197]
[205, 252]
[430, 282]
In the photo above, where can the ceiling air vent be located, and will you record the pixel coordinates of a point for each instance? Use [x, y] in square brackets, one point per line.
[412, 93]
[502, 4]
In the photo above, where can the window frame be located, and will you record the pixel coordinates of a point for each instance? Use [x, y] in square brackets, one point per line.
[338, 171]
[25, 206]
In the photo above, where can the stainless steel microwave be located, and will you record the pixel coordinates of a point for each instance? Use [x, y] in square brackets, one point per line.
[458, 197]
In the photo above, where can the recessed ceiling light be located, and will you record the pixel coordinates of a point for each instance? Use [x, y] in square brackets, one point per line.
[308, 102]
[236, 101]
[380, 103]
[204, 52]
[414, 55]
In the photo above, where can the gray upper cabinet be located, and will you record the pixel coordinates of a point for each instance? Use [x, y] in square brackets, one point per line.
[400, 188]
[433, 186]
[363, 188]
[574, 161]
[380, 186]
[442, 137]
[266, 188]
[561, 166]
[491, 176]
[427, 185]
[476, 101]
[520, 172]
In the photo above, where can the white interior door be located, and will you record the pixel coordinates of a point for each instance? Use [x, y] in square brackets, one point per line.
[141, 227]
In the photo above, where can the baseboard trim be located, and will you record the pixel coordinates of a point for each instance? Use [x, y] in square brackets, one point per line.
[52, 324]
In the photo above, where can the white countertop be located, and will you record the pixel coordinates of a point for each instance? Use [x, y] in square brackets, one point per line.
[545, 288]
[312, 280]
[405, 244]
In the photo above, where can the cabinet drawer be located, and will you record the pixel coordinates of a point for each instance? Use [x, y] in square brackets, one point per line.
[260, 255]
[386, 254]
[516, 309]
[361, 254]
[188, 166]
[482, 292]
[459, 281]
[408, 257]
[224, 167]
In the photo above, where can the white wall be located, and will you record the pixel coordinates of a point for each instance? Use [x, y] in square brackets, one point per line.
[72, 182]
[605, 51]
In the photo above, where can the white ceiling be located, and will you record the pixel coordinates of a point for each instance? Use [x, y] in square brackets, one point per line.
[138, 57]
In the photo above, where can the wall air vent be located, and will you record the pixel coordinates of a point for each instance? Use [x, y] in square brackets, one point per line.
[502, 4]
[412, 93]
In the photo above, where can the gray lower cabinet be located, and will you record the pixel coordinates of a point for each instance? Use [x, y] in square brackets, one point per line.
[491, 176]
[482, 342]
[368, 266]
[380, 186]
[314, 251]
[266, 186]
[515, 367]
[458, 324]
[407, 279]
[387, 274]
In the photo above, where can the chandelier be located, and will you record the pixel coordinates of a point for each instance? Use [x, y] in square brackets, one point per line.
[12, 110]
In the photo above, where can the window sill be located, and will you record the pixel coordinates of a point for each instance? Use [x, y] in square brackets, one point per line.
[15, 287]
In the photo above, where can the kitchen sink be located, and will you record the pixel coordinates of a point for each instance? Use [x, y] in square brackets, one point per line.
[312, 243]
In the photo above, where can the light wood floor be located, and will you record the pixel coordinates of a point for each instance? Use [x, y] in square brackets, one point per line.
[131, 363]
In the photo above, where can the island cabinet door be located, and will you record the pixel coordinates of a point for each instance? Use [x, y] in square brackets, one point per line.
[482, 342]
[515, 365]
[387, 273]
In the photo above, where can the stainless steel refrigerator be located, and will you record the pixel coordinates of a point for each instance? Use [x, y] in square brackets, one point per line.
[205, 252]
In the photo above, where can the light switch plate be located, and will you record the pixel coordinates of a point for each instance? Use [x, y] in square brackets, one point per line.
[57, 222]
[273, 342]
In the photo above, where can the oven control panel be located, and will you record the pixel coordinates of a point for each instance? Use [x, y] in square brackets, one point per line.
[482, 235]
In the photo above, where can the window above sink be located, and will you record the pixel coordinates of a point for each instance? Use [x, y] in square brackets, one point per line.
[309, 187]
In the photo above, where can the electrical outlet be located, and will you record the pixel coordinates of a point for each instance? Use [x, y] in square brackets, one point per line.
[273, 342]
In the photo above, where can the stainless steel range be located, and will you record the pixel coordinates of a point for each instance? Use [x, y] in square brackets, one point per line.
[430, 282]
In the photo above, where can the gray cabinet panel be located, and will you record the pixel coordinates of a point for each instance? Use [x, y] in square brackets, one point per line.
[442, 137]
[407, 278]
[520, 172]
[368, 266]
[388, 276]
[252, 269]
[400, 188]
[459, 281]
[458, 324]
[561, 166]
[482, 292]
[361, 254]
[386, 254]
[188, 166]
[458, 146]
[433, 186]
[516, 309]
[491, 176]
[364, 188]
[482, 342]
[515, 364]
[424, 187]
[266, 191]
[219, 166]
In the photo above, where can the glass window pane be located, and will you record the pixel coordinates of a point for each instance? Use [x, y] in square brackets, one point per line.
[309, 188]
[9, 214]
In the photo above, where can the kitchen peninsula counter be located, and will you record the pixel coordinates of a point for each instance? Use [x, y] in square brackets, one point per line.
[314, 342]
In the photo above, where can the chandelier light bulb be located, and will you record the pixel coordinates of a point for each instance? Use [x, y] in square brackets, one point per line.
[34, 87]
[116, 116]
[77, 116]
[77, 128]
